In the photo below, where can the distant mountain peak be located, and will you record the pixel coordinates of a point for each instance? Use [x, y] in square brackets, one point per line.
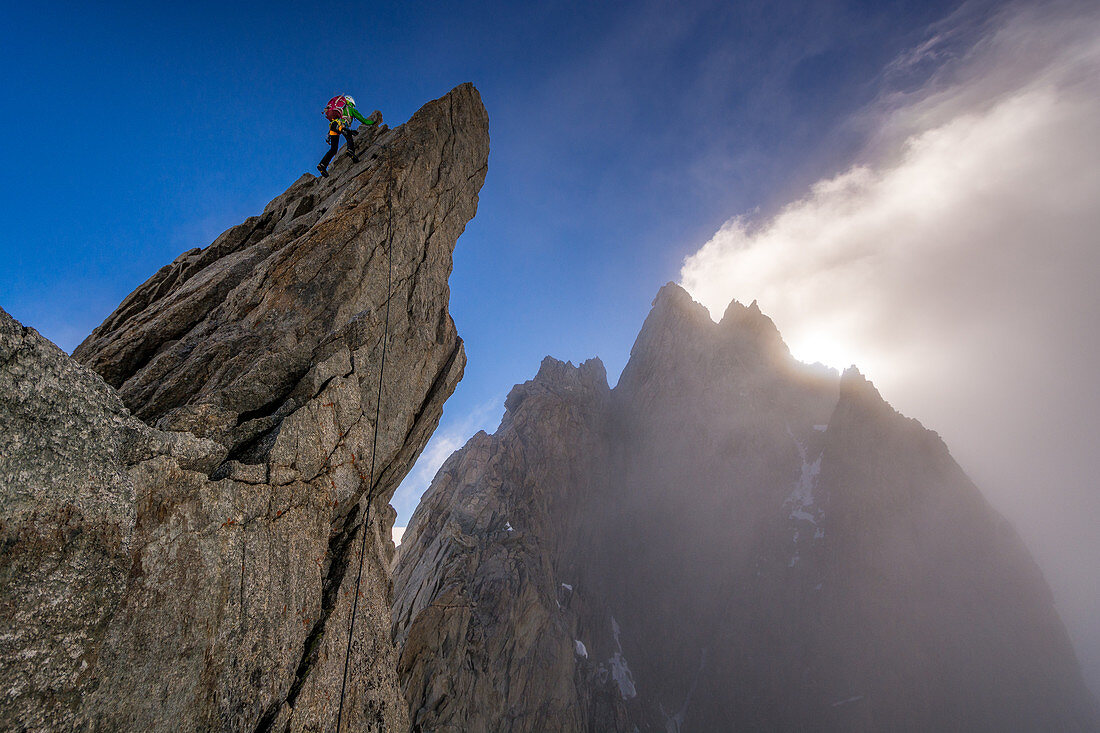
[750, 543]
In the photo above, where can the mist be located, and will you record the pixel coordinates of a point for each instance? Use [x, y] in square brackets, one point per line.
[955, 263]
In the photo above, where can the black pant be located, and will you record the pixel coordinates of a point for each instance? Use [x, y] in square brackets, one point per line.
[334, 144]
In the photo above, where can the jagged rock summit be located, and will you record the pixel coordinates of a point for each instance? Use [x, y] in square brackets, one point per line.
[727, 540]
[183, 499]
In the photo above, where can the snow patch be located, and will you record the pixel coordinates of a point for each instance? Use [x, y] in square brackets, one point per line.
[616, 631]
[838, 703]
[620, 671]
[508, 526]
[803, 505]
[398, 533]
[802, 496]
[799, 513]
[567, 587]
[578, 645]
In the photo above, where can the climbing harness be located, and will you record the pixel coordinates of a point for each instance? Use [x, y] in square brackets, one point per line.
[370, 486]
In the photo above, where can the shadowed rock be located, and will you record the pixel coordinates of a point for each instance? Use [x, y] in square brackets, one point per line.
[487, 645]
[193, 570]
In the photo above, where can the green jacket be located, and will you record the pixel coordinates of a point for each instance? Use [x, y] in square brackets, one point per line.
[350, 109]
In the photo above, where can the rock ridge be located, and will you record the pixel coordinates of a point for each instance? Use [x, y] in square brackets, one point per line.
[227, 417]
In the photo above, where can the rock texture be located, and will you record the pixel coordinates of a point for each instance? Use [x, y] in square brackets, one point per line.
[482, 614]
[183, 499]
[727, 540]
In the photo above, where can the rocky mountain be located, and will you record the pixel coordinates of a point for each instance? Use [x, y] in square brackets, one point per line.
[727, 540]
[185, 504]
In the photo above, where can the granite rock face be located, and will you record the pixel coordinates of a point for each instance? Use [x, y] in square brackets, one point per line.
[486, 624]
[183, 499]
[728, 539]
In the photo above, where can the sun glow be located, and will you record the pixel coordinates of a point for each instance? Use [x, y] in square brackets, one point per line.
[955, 267]
[816, 346]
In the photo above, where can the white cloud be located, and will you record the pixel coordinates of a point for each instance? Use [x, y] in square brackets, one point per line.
[957, 265]
[398, 533]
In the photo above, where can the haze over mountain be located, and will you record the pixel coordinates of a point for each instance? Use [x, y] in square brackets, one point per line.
[727, 539]
[955, 261]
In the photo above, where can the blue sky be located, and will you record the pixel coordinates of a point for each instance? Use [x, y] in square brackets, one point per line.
[623, 134]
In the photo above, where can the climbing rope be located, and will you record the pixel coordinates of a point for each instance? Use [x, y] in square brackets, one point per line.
[370, 486]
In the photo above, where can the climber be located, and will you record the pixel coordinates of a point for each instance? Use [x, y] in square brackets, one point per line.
[341, 113]
[335, 129]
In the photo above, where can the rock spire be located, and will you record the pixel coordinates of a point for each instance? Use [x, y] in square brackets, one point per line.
[183, 499]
